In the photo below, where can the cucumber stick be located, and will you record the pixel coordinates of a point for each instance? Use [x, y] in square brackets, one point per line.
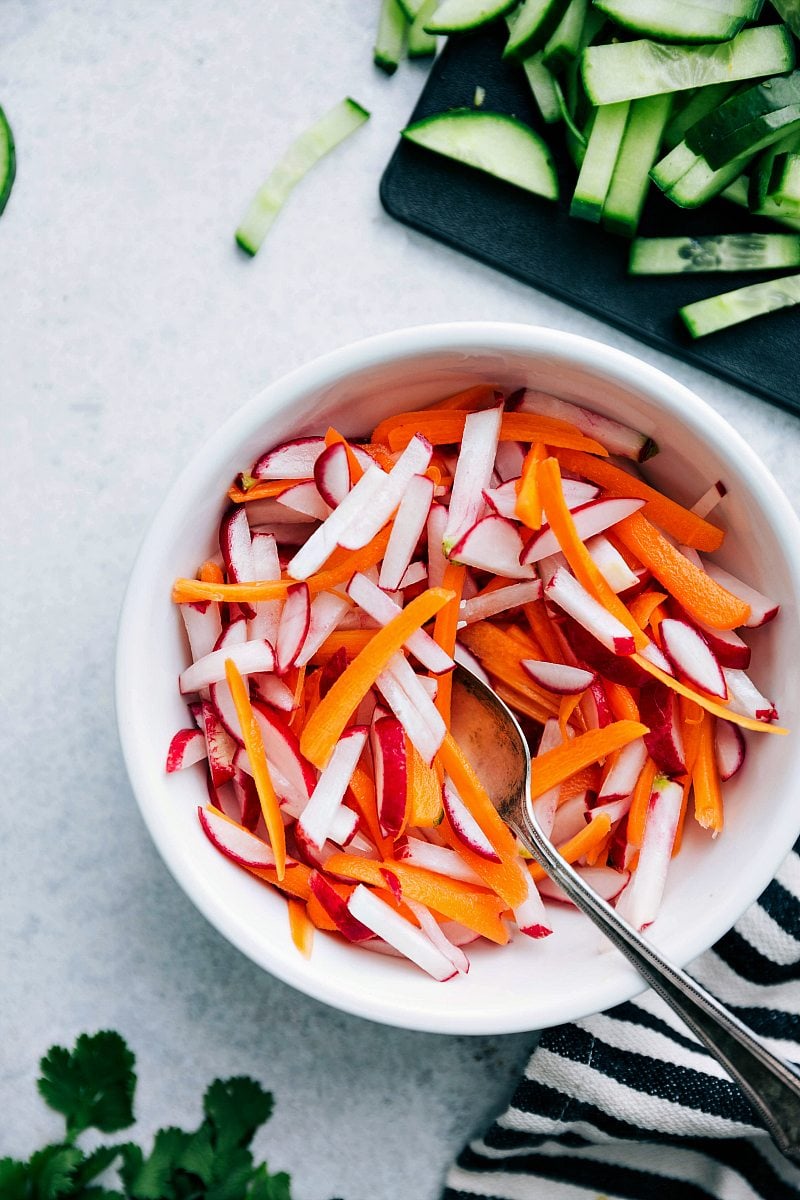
[688, 180]
[544, 88]
[677, 21]
[784, 187]
[737, 193]
[458, 16]
[714, 252]
[565, 42]
[304, 152]
[531, 25]
[422, 44]
[745, 119]
[704, 101]
[494, 143]
[628, 70]
[789, 11]
[390, 39]
[731, 308]
[767, 167]
[599, 161]
[8, 160]
[630, 181]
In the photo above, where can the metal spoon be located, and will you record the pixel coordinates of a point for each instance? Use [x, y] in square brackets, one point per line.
[490, 736]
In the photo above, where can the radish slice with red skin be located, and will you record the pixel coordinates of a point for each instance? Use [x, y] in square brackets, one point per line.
[710, 499]
[249, 657]
[571, 817]
[652, 653]
[457, 934]
[531, 915]
[590, 519]
[283, 749]
[508, 460]
[269, 512]
[413, 707]
[433, 930]
[236, 547]
[611, 564]
[417, 572]
[317, 548]
[591, 653]
[336, 908]
[726, 646]
[467, 659]
[409, 522]
[692, 657]
[272, 690]
[565, 590]
[235, 842]
[203, 628]
[367, 522]
[621, 779]
[293, 629]
[388, 742]
[439, 859]
[266, 565]
[473, 475]
[545, 806]
[547, 568]
[658, 709]
[640, 901]
[762, 609]
[478, 608]
[494, 544]
[327, 611]
[221, 747]
[188, 746]
[465, 827]
[616, 437]
[375, 914]
[615, 810]
[730, 749]
[503, 498]
[607, 882]
[437, 563]
[383, 609]
[290, 460]
[305, 498]
[745, 698]
[595, 707]
[247, 798]
[558, 678]
[332, 474]
[317, 817]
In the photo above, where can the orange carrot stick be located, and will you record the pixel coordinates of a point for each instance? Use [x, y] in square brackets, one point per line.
[352, 641]
[294, 882]
[500, 655]
[211, 572]
[300, 927]
[585, 780]
[328, 721]
[582, 843]
[528, 507]
[506, 879]
[262, 489]
[644, 605]
[705, 780]
[362, 789]
[566, 708]
[447, 428]
[640, 802]
[553, 767]
[621, 702]
[522, 702]
[705, 702]
[691, 718]
[586, 570]
[701, 596]
[254, 745]
[676, 520]
[445, 628]
[542, 628]
[424, 792]
[473, 399]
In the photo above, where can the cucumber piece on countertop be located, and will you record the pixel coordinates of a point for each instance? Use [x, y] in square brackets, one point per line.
[785, 185]
[673, 22]
[531, 25]
[704, 101]
[789, 11]
[544, 88]
[422, 44]
[688, 180]
[390, 40]
[500, 145]
[743, 304]
[8, 160]
[628, 70]
[761, 172]
[302, 155]
[744, 119]
[565, 43]
[737, 193]
[599, 160]
[459, 16]
[714, 252]
[630, 181]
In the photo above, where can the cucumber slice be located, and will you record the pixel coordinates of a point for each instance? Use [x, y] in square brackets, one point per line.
[412, 8]
[565, 43]
[714, 252]
[785, 190]
[731, 308]
[602, 149]
[422, 44]
[704, 101]
[744, 119]
[675, 22]
[531, 26]
[628, 70]
[543, 86]
[688, 180]
[304, 152]
[458, 16]
[8, 160]
[767, 166]
[390, 40]
[789, 11]
[630, 181]
[492, 142]
[737, 193]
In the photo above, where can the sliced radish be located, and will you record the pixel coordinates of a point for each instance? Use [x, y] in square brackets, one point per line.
[270, 512]
[367, 522]
[595, 707]
[332, 474]
[235, 842]
[236, 547]
[291, 460]
[508, 460]
[578, 492]
[615, 810]
[220, 745]
[283, 750]
[746, 699]
[409, 523]
[187, 747]
[762, 609]
[327, 610]
[548, 566]
[503, 498]
[591, 653]
[558, 678]
[611, 564]
[710, 499]
[247, 798]
[473, 473]
[500, 600]
[652, 653]
[388, 742]
[467, 659]
[546, 805]
[317, 817]
[692, 657]
[570, 596]
[314, 550]
[658, 709]
[726, 646]
[640, 901]
[266, 566]
[730, 748]
[248, 657]
[617, 438]
[376, 915]
[413, 706]
[571, 818]
[203, 628]
[607, 882]
[621, 779]
[493, 544]
[305, 498]
[336, 908]
[417, 572]
[439, 859]
[293, 629]
[433, 930]
[590, 519]
[272, 690]
[383, 609]
[437, 563]
[465, 827]
[531, 915]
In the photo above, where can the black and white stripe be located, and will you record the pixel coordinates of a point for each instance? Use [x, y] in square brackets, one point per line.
[627, 1105]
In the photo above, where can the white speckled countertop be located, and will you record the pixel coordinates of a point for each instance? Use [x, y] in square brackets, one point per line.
[130, 328]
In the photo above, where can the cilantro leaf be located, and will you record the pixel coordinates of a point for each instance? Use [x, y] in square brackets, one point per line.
[152, 1179]
[269, 1187]
[52, 1171]
[198, 1156]
[232, 1171]
[95, 1164]
[236, 1108]
[13, 1179]
[92, 1086]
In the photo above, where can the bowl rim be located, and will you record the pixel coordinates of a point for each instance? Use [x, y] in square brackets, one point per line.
[395, 347]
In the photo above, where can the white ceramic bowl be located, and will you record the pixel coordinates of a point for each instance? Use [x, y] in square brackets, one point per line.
[525, 985]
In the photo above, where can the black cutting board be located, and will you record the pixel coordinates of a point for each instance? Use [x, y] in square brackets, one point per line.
[538, 242]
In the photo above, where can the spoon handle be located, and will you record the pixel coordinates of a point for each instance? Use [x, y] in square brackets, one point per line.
[770, 1084]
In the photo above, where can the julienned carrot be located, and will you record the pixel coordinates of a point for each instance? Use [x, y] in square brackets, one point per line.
[331, 716]
[701, 596]
[254, 745]
[528, 508]
[341, 567]
[500, 655]
[585, 780]
[506, 879]
[692, 717]
[678, 839]
[640, 802]
[379, 454]
[475, 796]
[583, 565]
[642, 606]
[332, 438]
[553, 767]
[477, 909]
[300, 927]
[294, 882]
[447, 428]
[620, 701]
[566, 708]
[522, 702]
[705, 702]
[262, 489]
[705, 780]
[363, 792]
[445, 628]
[679, 522]
[584, 841]
[211, 572]
[352, 641]
[542, 629]
[424, 792]
[472, 399]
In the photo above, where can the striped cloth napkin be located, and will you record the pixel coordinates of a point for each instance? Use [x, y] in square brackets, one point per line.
[626, 1105]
